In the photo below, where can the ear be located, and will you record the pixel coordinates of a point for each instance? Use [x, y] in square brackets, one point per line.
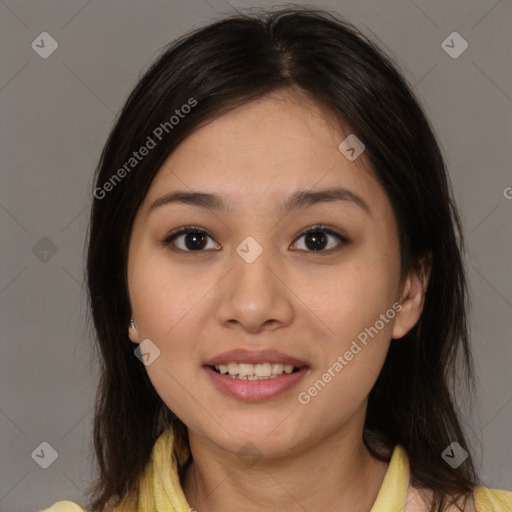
[132, 332]
[412, 297]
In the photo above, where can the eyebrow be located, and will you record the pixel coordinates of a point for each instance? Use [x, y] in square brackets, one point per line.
[299, 200]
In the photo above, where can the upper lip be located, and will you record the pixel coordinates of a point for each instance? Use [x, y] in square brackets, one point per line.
[254, 357]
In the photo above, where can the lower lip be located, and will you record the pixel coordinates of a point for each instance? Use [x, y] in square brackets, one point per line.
[255, 390]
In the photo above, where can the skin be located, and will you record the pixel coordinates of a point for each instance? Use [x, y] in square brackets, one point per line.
[307, 304]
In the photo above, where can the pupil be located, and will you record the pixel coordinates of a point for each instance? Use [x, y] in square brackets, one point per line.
[195, 237]
[316, 237]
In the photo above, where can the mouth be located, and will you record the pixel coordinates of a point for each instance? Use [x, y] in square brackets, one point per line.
[255, 376]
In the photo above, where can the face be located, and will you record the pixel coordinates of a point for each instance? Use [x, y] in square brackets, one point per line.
[251, 293]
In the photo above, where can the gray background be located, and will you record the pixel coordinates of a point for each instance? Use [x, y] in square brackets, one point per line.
[56, 115]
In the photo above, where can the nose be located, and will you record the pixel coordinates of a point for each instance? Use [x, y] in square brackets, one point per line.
[254, 296]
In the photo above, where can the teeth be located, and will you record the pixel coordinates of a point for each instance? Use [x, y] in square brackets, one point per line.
[263, 370]
[277, 369]
[246, 371]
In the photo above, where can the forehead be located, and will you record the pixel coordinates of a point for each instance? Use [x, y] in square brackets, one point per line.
[263, 151]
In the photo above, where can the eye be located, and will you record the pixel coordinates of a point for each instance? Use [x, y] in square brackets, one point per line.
[317, 238]
[194, 239]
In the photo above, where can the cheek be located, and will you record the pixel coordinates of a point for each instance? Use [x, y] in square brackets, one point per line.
[160, 292]
[357, 305]
[166, 307]
[354, 297]
[362, 320]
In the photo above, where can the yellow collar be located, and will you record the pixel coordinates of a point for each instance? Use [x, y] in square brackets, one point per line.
[393, 492]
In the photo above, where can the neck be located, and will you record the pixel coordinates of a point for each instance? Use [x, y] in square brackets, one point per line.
[337, 473]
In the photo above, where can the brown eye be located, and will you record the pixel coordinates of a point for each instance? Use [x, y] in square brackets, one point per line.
[189, 239]
[319, 238]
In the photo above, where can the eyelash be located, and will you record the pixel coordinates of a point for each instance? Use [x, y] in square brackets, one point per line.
[196, 229]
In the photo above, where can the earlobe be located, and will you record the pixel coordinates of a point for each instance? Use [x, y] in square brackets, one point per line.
[132, 331]
[412, 298]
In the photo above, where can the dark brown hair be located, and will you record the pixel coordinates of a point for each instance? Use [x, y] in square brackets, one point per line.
[221, 66]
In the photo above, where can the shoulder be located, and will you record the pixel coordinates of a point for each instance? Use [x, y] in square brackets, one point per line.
[71, 506]
[492, 500]
[483, 500]
[64, 506]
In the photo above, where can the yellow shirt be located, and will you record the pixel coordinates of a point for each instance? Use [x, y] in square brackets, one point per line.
[161, 491]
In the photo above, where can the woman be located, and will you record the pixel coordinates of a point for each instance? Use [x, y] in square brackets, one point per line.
[273, 232]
